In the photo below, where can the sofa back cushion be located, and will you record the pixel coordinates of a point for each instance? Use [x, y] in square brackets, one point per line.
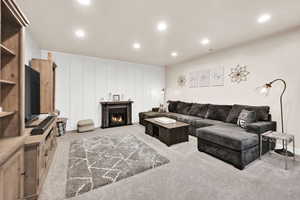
[183, 107]
[198, 110]
[172, 106]
[218, 112]
[262, 112]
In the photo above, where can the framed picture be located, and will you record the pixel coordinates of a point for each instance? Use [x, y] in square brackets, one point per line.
[217, 76]
[116, 97]
[199, 78]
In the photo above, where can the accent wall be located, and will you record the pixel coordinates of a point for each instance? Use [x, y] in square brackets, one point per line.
[82, 82]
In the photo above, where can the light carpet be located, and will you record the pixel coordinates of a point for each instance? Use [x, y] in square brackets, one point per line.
[190, 175]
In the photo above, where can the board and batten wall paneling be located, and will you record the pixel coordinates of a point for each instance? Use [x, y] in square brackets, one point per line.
[81, 83]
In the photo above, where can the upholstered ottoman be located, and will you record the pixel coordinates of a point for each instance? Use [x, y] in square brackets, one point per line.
[85, 125]
[231, 143]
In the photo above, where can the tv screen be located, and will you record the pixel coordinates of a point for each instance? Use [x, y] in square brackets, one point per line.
[32, 93]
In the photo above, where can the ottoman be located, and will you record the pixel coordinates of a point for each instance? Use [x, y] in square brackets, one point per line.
[85, 125]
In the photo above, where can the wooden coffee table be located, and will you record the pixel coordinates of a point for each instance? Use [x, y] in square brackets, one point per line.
[167, 133]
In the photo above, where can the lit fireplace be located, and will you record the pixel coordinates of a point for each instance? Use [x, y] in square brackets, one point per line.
[116, 114]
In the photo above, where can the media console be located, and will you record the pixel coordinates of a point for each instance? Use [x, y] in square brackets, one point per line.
[39, 151]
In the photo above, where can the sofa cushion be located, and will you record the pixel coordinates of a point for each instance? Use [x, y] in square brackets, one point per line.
[198, 110]
[172, 115]
[187, 119]
[218, 112]
[172, 106]
[151, 114]
[199, 123]
[183, 108]
[262, 112]
[261, 127]
[232, 137]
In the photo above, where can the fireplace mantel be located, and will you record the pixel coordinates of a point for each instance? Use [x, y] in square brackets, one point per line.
[108, 107]
[116, 102]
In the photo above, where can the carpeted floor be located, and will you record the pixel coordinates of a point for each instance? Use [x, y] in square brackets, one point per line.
[190, 175]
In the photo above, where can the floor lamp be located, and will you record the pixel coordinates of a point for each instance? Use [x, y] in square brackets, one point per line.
[265, 90]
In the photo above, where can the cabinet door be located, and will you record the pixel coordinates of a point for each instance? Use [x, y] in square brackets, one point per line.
[12, 177]
[31, 168]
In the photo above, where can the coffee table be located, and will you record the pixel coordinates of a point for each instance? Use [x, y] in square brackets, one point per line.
[169, 134]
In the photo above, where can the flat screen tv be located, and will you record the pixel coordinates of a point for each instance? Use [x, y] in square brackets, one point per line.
[32, 94]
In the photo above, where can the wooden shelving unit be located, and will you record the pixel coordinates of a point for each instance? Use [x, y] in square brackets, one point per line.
[12, 69]
[12, 137]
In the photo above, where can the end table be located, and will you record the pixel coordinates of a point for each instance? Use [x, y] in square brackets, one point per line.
[286, 138]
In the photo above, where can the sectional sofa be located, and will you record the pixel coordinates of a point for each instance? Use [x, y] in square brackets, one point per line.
[217, 132]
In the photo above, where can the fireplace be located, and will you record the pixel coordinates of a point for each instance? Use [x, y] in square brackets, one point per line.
[116, 113]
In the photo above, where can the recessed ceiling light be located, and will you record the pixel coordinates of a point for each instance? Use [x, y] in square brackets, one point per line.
[205, 41]
[174, 54]
[264, 18]
[162, 26]
[80, 33]
[136, 45]
[84, 2]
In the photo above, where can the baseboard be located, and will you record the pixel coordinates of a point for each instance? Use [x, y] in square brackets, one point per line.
[290, 148]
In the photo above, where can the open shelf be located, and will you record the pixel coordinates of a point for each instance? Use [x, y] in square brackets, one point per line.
[6, 51]
[6, 114]
[7, 82]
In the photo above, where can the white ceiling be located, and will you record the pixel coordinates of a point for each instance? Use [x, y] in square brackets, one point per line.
[113, 25]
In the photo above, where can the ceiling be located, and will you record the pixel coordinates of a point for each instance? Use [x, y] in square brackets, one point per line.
[112, 26]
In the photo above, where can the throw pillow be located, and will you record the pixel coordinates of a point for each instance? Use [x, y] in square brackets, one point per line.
[245, 118]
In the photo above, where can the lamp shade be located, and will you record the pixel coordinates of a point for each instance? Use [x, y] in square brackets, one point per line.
[264, 89]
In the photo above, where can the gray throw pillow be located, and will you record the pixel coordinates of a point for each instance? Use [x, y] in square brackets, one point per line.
[246, 117]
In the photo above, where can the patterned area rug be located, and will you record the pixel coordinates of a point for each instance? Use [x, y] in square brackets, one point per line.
[102, 160]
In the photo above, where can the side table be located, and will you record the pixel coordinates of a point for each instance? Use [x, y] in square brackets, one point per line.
[286, 138]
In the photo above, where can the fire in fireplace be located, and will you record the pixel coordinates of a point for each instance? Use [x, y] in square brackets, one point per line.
[117, 119]
[117, 116]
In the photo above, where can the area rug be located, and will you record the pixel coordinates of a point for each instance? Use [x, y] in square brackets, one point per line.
[101, 160]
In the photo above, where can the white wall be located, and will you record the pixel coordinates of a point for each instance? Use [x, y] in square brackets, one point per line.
[32, 49]
[275, 57]
[83, 81]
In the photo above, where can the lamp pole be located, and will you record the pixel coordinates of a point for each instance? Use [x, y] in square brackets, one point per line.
[281, 151]
[281, 97]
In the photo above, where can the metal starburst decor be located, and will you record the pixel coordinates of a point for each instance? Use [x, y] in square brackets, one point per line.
[181, 81]
[238, 74]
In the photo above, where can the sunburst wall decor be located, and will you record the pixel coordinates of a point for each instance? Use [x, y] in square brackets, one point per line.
[239, 73]
[181, 81]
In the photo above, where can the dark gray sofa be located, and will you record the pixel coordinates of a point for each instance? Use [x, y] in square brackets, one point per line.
[215, 127]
